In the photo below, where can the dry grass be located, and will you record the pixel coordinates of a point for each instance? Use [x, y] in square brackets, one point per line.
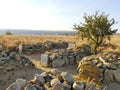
[12, 40]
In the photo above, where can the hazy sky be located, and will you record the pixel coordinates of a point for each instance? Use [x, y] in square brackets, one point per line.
[52, 14]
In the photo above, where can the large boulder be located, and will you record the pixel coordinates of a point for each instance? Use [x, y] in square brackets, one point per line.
[116, 74]
[108, 76]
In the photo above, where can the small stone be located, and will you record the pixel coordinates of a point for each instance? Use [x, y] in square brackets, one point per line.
[47, 86]
[58, 63]
[66, 87]
[77, 86]
[38, 87]
[55, 71]
[113, 66]
[29, 87]
[94, 61]
[67, 77]
[18, 85]
[54, 82]
[39, 79]
[57, 86]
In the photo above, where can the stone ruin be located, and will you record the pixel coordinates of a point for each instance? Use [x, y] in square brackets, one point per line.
[60, 57]
[42, 47]
[104, 67]
[52, 80]
[12, 60]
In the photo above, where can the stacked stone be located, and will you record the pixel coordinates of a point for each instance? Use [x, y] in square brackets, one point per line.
[108, 63]
[60, 57]
[14, 60]
[53, 80]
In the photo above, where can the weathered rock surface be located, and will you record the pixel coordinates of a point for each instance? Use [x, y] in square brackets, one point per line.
[106, 64]
[38, 83]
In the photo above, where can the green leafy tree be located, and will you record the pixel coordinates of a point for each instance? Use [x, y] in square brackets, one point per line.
[96, 29]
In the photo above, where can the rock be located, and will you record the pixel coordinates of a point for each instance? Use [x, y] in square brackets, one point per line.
[113, 66]
[66, 87]
[50, 44]
[71, 45]
[57, 86]
[99, 65]
[90, 70]
[95, 61]
[44, 74]
[12, 55]
[39, 79]
[67, 77]
[45, 60]
[58, 63]
[78, 86]
[13, 86]
[55, 71]
[54, 82]
[71, 60]
[47, 77]
[108, 76]
[20, 49]
[65, 58]
[18, 85]
[47, 86]
[38, 87]
[21, 82]
[60, 78]
[29, 87]
[116, 74]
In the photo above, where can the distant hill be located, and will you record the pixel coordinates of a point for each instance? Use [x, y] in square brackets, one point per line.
[37, 32]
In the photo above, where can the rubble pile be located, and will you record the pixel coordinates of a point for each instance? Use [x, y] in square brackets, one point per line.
[108, 65]
[52, 80]
[13, 61]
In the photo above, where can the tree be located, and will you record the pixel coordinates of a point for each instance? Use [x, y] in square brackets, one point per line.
[96, 29]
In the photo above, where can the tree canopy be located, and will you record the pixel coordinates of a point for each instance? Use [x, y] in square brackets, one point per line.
[96, 28]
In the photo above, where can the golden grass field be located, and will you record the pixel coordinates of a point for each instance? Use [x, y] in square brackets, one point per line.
[12, 40]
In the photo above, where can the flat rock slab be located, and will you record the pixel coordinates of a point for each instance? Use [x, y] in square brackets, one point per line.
[44, 59]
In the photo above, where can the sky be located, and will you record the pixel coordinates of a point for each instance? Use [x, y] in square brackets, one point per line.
[53, 14]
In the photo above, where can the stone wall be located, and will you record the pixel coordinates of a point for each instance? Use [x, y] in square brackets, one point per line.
[52, 80]
[61, 57]
[108, 65]
[13, 61]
